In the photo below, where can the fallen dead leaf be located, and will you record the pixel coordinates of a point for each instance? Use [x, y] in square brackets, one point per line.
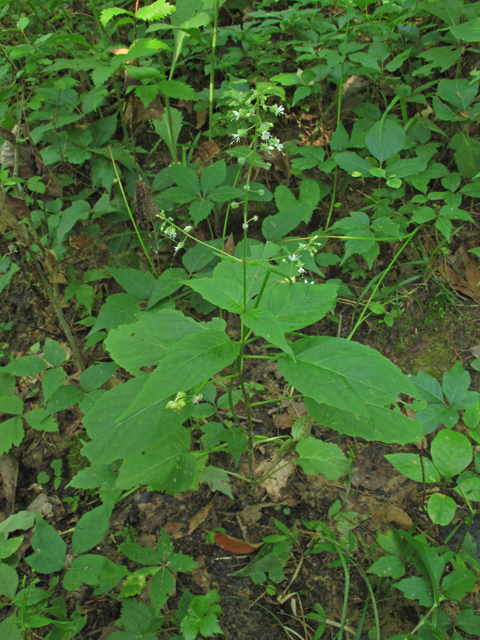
[398, 516]
[279, 480]
[201, 118]
[200, 517]
[234, 545]
[44, 505]
[475, 351]
[283, 421]
[229, 246]
[9, 473]
[207, 151]
[201, 576]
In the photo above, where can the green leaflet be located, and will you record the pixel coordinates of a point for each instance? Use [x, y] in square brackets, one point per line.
[188, 364]
[148, 340]
[355, 386]
[297, 305]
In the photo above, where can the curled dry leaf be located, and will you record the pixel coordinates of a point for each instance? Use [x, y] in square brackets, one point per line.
[234, 545]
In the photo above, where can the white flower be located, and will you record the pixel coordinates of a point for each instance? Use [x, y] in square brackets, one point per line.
[312, 282]
[197, 399]
[301, 271]
[261, 192]
[236, 115]
[188, 229]
[245, 225]
[171, 233]
[266, 135]
[255, 218]
[178, 247]
[236, 137]
[277, 110]
[293, 257]
[241, 160]
[246, 187]
[235, 205]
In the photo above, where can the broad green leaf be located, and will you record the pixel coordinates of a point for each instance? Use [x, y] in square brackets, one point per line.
[457, 584]
[7, 384]
[26, 366]
[156, 11]
[201, 255]
[217, 479]
[93, 569]
[50, 549]
[166, 466]
[91, 529]
[9, 627]
[63, 398]
[80, 209]
[96, 375]
[169, 281]
[450, 11]
[114, 438]
[101, 477]
[467, 621]
[35, 420]
[107, 14]
[336, 374]
[199, 210]
[326, 458]
[11, 434]
[434, 415]
[11, 404]
[213, 176]
[222, 293]
[52, 380]
[102, 130]
[385, 139]
[266, 325]
[22, 520]
[148, 340]
[169, 136]
[177, 90]
[451, 453]
[455, 386]
[135, 282]
[189, 364]
[161, 586]
[54, 353]
[468, 31]
[351, 163]
[391, 566]
[120, 308]
[441, 509]
[8, 580]
[467, 154]
[428, 388]
[410, 465]
[469, 489]
[417, 589]
[291, 210]
[298, 305]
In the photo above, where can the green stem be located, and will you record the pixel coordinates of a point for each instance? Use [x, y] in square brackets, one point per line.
[212, 70]
[119, 182]
[380, 280]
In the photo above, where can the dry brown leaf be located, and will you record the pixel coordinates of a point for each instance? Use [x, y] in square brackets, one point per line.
[201, 118]
[200, 517]
[154, 111]
[207, 151]
[201, 576]
[185, 104]
[145, 206]
[229, 246]
[279, 480]
[9, 473]
[399, 516]
[279, 160]
[283, 421]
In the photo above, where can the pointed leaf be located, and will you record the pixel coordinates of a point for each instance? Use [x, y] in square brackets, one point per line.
[385, 139]
[266, 325]
[49, 547]
[91, 529]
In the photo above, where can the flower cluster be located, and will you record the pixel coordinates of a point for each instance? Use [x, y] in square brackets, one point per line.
[268, 142]
[178, 405]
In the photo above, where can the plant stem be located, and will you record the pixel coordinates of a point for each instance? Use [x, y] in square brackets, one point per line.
[212, 70]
